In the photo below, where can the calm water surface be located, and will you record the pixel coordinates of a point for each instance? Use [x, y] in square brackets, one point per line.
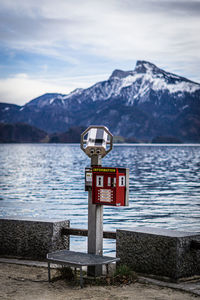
[47, 181]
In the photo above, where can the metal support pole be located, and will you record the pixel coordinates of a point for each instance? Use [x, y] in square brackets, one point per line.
[96, 142]
[49, 272]
[95, 226]
[107, 270]
[81, 277]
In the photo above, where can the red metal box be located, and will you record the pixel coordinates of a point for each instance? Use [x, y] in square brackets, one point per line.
[110, 186]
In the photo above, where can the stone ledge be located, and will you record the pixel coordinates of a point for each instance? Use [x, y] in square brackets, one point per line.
[159, 252]
[32, 238]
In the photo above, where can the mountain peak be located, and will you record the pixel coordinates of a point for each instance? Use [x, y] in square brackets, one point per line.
[120, 74]
[142, 66]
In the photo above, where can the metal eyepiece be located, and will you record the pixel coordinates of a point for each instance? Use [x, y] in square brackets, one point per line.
[98, 151]
[92, 151]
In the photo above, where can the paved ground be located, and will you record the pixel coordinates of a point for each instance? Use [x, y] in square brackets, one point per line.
[192, 286]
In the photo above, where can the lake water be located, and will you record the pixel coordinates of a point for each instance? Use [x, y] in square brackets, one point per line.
[47, 181]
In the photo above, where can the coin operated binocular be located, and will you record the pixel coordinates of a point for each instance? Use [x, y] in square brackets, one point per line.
[109, 185]
[96, 141]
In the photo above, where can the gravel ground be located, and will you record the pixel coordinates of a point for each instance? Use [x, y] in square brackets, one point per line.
[20, 282]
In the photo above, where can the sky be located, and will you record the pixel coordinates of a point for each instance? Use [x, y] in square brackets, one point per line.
[57, 46]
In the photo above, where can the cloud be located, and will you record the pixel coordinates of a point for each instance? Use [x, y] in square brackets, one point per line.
[92, 36]
[21, 88]
[113, 29]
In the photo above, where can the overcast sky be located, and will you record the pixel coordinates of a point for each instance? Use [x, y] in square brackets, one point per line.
[57, 46]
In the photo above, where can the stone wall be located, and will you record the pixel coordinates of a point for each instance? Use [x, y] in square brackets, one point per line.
[31, 238]
[159, 252]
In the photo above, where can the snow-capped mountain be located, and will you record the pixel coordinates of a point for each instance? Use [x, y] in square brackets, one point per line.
[142, 103]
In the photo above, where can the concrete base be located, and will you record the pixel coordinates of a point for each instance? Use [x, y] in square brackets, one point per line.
[159, 252]
[31, 238]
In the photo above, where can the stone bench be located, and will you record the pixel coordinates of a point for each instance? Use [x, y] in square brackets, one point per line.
[157, 251]
[31, 238]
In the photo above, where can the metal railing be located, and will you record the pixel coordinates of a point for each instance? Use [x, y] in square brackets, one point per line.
[84, 232]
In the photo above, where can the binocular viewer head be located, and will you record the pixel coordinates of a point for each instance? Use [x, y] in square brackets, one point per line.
[96, 140]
